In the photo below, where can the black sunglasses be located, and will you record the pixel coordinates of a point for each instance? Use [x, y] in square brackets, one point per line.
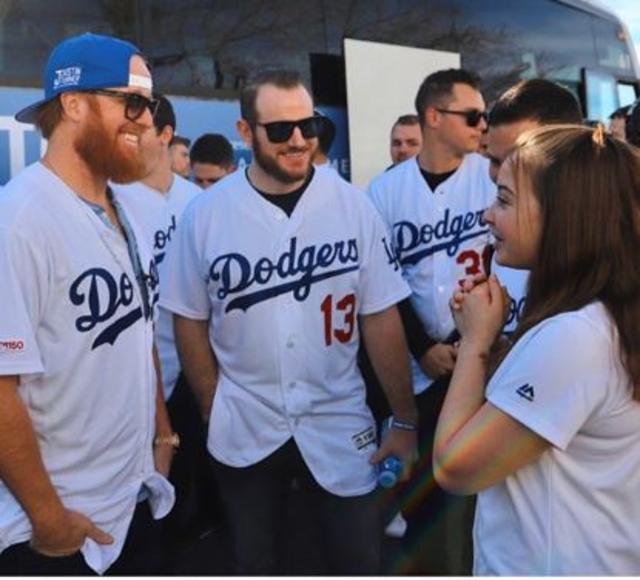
[134, 104]
[281, 131]
[472, 117]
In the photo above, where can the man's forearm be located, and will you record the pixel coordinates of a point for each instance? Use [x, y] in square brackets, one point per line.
[21, 466]
[197, 359]
[384, 339]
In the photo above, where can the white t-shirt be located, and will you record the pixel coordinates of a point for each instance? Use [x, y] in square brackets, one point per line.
[575, 511]
[73, 327]
[282, 296]
[158, 215]
[440, 236]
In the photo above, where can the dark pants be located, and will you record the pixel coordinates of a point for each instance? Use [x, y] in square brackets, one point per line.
[255, 500]
[140, 555]
[197, 508]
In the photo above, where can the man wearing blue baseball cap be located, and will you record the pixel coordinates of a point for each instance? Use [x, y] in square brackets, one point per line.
[85, 439]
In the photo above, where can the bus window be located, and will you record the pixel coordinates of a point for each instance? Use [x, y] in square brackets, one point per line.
[611, 48]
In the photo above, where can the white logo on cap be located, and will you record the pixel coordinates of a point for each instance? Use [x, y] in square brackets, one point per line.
[140, 81]
[67, 77]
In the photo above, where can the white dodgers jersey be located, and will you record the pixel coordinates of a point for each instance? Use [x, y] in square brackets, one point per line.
[283, 295]
[79, 329]
[158, 215]
[439, 236]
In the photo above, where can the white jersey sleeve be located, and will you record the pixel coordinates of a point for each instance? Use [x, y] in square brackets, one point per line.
[184, 288]
[21, 294]
[380, 287]
[557, 376]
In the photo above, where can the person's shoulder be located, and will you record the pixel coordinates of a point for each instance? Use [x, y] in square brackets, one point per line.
[589, 331]
[26, 196]
[330, 183]
[388, 179]
[184, 186]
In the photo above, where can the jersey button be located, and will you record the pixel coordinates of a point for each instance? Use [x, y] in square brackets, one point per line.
[292, 385]
[290, 342]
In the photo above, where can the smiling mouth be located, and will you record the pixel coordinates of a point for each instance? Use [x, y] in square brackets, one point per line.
[131, 138]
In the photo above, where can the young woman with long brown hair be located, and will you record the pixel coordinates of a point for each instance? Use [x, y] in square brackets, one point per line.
[547, 429]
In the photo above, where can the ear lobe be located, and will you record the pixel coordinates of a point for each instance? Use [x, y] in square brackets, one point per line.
[245, 131]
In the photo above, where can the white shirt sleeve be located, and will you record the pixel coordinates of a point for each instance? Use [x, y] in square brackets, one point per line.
[183, 285]
[381, 279]
[24, 283]
[555, 378]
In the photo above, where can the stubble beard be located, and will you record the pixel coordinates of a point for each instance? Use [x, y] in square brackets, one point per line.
[270, 165]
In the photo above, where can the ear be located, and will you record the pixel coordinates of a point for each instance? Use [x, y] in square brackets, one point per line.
[75, 106]
[245, 131]
[431, 117]
[166, 135]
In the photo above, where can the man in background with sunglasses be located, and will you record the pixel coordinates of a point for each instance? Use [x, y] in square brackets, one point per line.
[271, 270]
[80, 406]
[433, 206]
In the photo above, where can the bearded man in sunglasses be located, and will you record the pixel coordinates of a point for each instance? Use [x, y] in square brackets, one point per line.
[80, 407]
[271, 271]
[433, 204]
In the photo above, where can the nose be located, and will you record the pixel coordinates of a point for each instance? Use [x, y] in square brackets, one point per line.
[296, 139]
[487, 214]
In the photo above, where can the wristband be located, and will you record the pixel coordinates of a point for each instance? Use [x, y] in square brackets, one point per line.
[403, 425]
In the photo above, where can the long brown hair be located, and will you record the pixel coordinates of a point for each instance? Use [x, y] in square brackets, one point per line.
[588, 187]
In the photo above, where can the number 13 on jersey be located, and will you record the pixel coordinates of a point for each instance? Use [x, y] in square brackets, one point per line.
[339, 318]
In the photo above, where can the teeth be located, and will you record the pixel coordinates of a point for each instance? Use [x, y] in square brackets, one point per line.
[130, 138]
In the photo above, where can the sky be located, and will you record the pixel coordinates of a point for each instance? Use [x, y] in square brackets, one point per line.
[629, 13]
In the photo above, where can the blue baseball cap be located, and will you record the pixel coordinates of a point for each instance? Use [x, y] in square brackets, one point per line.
[86, 62]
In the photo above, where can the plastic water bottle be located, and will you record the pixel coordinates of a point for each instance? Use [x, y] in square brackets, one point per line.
[389, 469]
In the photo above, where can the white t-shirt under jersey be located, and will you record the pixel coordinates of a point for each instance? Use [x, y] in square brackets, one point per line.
[158, 215]
[576, 510]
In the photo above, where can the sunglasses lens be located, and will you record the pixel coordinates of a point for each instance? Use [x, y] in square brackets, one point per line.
[136, 105]
[474, 117]
[310, 128]
[279, 131]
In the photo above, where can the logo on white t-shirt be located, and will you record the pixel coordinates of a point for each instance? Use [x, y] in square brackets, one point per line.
[526, 392]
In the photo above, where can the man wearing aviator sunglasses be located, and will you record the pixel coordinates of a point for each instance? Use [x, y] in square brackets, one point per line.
[81, 481]
[433, 203]
[294, 258]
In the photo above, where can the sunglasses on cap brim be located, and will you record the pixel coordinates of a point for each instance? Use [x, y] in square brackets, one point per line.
[281, 131]
[472, 117]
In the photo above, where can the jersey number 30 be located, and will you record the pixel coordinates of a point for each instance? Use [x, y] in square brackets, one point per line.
[345, 306]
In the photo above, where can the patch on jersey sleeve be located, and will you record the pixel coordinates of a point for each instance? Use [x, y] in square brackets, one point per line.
[363, 439]
[526, 392]
[12, 345]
